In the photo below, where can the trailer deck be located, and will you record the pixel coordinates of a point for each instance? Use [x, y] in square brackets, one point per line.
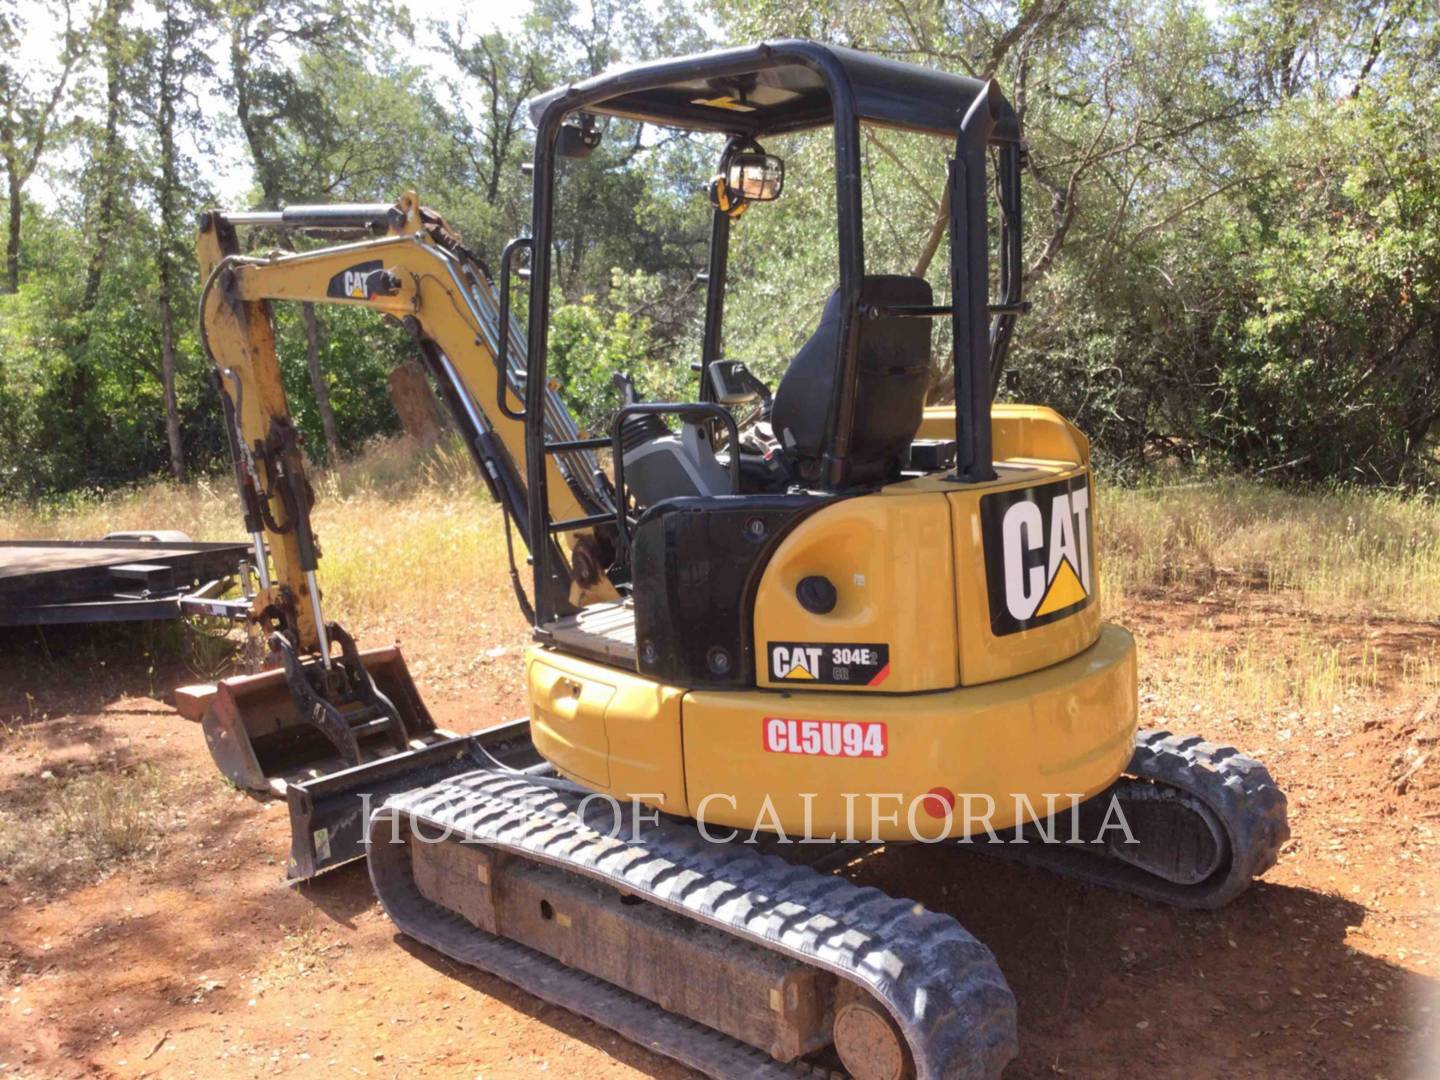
[48, 582]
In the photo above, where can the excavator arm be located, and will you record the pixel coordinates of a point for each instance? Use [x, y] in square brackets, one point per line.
[323, 723]
[420, 276]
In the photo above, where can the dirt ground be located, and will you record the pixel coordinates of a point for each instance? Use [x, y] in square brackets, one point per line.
[193, 959]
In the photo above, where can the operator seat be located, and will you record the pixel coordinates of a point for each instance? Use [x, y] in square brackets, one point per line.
[893, 364]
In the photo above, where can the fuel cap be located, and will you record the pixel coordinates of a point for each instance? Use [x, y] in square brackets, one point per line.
[816, 594]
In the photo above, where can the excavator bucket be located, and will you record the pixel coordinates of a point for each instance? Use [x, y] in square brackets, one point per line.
[262, 741]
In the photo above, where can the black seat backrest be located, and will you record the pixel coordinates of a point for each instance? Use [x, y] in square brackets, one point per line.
[894, 361]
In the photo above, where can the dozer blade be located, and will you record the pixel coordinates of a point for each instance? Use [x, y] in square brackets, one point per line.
[261, 741]
[328, 814]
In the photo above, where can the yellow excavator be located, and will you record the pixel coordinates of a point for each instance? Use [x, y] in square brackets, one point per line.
[821, 611]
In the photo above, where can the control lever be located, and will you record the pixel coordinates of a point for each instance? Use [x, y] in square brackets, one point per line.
[626, 385]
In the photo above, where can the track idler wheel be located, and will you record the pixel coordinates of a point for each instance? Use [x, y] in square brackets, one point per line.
[869, 1043]
[1177, 837]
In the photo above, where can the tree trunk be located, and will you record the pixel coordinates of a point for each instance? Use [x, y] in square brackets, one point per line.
[109, 162]
[167, 379]
[267, 175]
[318, 384]
[20, 165]
[12, 241]
[414, 402]
[170, 89]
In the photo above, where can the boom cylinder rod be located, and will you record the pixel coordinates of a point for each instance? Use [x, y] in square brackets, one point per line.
[262, 565]
[313, 587]
[332, 216]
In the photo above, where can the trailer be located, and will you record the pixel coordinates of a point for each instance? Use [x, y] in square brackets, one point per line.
[125, 577]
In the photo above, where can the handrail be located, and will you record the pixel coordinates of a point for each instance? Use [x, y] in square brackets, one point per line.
[935, 311]
[502, 354]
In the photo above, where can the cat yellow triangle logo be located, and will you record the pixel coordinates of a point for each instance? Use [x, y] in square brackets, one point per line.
[1065, 589]
[795, 661]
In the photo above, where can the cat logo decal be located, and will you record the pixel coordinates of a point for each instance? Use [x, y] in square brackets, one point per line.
[1039, 553]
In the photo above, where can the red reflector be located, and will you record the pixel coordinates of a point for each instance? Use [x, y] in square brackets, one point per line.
[939, 802]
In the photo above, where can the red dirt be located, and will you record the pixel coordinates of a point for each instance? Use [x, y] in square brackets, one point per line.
[196, 960]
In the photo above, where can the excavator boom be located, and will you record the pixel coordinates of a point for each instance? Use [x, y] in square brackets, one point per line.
[329, 723]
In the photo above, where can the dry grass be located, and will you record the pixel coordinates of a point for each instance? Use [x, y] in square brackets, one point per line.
[1258, 675]
[1304, 578]
[19, 734]
[76, 827]
[395, 520]
[1346, 552]
[303, 952]
[402, 532]
[411, 538]
[398, 527]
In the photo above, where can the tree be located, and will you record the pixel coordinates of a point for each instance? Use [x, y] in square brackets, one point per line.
[29, 104]
[1330, 322]
[1230, 215]
[506, 72]
[177, 63]
[272, 103]
[108, 167]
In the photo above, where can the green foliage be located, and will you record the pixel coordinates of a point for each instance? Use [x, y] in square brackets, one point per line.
[591, 341]
[1332, 358]
[1232, 215]
[357, 352]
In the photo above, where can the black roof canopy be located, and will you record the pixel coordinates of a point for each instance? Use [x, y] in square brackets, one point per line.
[776, 87]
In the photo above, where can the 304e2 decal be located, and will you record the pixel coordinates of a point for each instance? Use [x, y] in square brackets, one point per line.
[1039, 553]
[828, 663]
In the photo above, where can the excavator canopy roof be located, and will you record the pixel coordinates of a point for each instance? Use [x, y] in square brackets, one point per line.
[776, 87]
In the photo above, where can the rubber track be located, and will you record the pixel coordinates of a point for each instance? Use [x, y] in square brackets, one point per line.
[1239, 791]
[941, 985]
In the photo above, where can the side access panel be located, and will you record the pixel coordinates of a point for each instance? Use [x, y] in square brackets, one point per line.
[567, 720]
[892, 628]
[611, 730]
